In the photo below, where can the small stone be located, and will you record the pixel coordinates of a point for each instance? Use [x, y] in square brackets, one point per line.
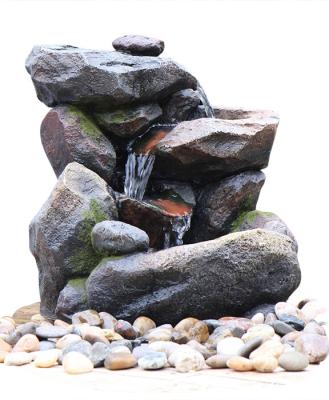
[27, 343]
[119, 349]
[186, 361]
[82, 347]
[238, 332]
[91, 317]
[315, 347]
[185, 324]
[271, 347]
[123, 342]
[108, 321]
[18, 358]
[28, 327]
[143, 325]
[164, 347]
[139, 45]
[261, 330]
[199, 332]
[281, 328]
[217, 361]
[46, 359]
[77, 363]
[212, 324]
[293, 361]
[151, 361]
[218, 334]
[179, 337]
[312, 309]
[6, 327]
[201, 349]
[157, 334]
[250, 346]
[111, 335]
[265, 363]
[38, 318]
[270, 318]
[4, 346]
[283, 308]
[51, 331]
[258, 318]
[142, 350]
[115, 361]
[63, 324]
[293, 321]
[99, 352]
[314, 327]
[240, 364]
[125, 329]
[233, 322]
[290, 337]
[46, 345]
[265, 308]
[3, 355]
[67, 340]
[230, 346]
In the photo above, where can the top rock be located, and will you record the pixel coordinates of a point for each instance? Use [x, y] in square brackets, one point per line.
[139, 45]
[103, 79]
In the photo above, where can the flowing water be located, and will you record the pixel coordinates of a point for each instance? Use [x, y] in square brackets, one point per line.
[180, 225]
[205, 102]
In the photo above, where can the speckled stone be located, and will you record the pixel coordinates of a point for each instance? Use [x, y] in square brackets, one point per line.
[293, 361]
[265, 363]
[270, 318]
[283, 308]
[142, 350]
[107, 320]
[217, 361]
[199, 332]
[119, 361]
[201, 348]
[143, 325]
[186, 359]
[293, 321]
[240, 364]
[315, 347]
[123, 342]
[51, 331]
[151, 361]
[99, 352]
[212, 324]
[77, 363]
[290, 337]
[125, 329]
[18, 358]
[82, 347]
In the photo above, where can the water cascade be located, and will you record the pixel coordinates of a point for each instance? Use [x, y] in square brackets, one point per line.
[205, 102]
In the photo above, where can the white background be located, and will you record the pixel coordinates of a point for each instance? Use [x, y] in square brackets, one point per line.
[251, 54]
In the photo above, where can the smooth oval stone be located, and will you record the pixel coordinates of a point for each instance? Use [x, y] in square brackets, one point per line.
[293, 321]
[258, 318]
[164, 347]
[199, 332]
[185, 324]
[82, 347]
[67, 340]
[218, 334]
[250, 346]
[143, 324]
[142, 350]
[217, 361]
[4, 346]
[265, 363]
[27, 343]
[271, 347]
[157, 334]
[118, 361]
[312, 309]
[123, 342]
[91, 317]
[283, 308]
[155, 360]
[230, 346]
[261, 330]
[99, 352]
[18, 358]
[111, 335]
[281, 328]
[240, 364]
[108, 321]
[63, 324]
[125, 329]
[46, 359]
[139, 45]
[51, 331]
[293, 361]
[238, 332]
[77, 363]
[46, 345]
[315, 347]
[233, 322]
[314, 327]
[179, 337]
[189, 361]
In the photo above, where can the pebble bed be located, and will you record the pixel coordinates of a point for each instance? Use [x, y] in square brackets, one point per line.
[282, 336]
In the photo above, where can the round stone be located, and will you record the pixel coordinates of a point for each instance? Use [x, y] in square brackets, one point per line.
[6, 327]
[108, 321]
[51, 331]
[283, 308]
[91, 317]
[125, 329]
[314, 346]
[272, 348]
[67, 340]
[164, 347]
[265, 364]
[217, 361]
[99, 352]
[3, 355]
[77, 363]
[143, 325]
[82, 347]
[163, 334]
[293, 361]
[201, 349]
[46, 359]
[123, 342]
[230, 346]
[199, 332]
[258, 318]
[240, 364]
[119, 349]
[290, 337]
[250, 346]
[142, 350]
[155, 360]
[185, 324]
[46, 345]
[18, 358]
[281, 328]
[260, 330]
[179, 337]
[27, 343]
[270, 318]
[185, 360]
[314, 327]
[63, 324]
[118, 361]
[312, 309]
[212, 324]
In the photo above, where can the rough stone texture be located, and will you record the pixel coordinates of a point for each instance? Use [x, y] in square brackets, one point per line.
[116, 237]
[263, 220]
[219, 204]
[67, 74]
[181, 106]
[68, 135]
[129, 122]
[182, 189]
[72, 298]
[139, 45]
[60, 232]
[207, 149]
[224, 276]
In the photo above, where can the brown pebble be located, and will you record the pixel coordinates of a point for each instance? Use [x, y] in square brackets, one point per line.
[240, 364]
[143, 325]
[27, 343]
[185, 324]
[117, 361]
[265, 363]
[199, 332]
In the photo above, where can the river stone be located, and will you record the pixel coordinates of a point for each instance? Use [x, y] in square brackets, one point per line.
[46, 359]
[281, 328]
[128, 122]
[293, 321]
[314, 346]
[199, 332]
[116, 238]
[77, 363]
[119, 349]
[202, 348]
[90, 317]
[142, 350]
[314, 327]
[60, 232]
[213, 271]
[139, 45]
[293, 361]
[283, 308]
[27, 343]
[143, 324]
[250, 346]
[111, 74]
[151, 361]
[125, 329]
[116, 361]
[181, 106]
[67, 340]
[51, 331]
[217, 361]
[260, 330]
[268, 348]
[72, 298]
[99, 352]
[81, 346]
[312, 309]
[68, 134]
[265, 363]
[240, 364]
[4, 346]
[18, 358]
[208, 149]
[6, 327]
[230, 346]
[108, 321]
[219, 204]
[263, 220]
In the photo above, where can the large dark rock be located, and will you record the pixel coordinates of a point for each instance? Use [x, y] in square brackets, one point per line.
[67, 74]
[225, 276]
[72, 298]
[207, 149]
[68, 135]
[181, 106]
[60, 234]
[219, 204]
[139, 45]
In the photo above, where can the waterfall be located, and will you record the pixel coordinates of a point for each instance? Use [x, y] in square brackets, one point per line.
[180, 226]
[205, 102]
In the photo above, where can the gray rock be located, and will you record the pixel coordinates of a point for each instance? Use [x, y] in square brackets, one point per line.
[281, 328]
[129, 122]
[139, 45]
[50, 331]
[293, 321]
[72, 298]
[202, 279]
[151, 361]
[99, 352]
[67, 74]
[219, 204]
[263, 220]
[122, 342]
[60, 233]
[293, 361]
[207, 149]
[250, 346]
[181, 106]
[46, 345]
[116, 238]
[82, 347]
[181, 189]
[68, 134]
[260, 308]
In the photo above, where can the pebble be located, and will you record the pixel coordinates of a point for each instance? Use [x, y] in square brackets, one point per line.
[119, 349]
[265, 363]
[261, 330]
[217, 361]
[118, 361]
[201, 349]
[250, 346]
[99, 352]
[159, 334]
[314, 346]
[240, 364]
[258, 318]
[111, 335]
[293, 361]
[46, 345]
[185, 360]
[6, 327]
[293, 321]
[82, 347]
[46, 359]
[270, 318]
[91, 317]
[18, 358]
[218, 334]
[230, 346]
[77, 363]
[143, 325]
[185, 324]
[290, 337]
[123, 342]
[179, 337]
[67, 340]
[238, 332]
[282, 328]
[125, 329]
[38, 318]
[50, 331]
[314, 327]
[151, 361]
[142, 350]
[164, 347]
[272, 348]
[212, 324]
[283, 308]
[4, 346]
[312, 309]
[107, 320]
[233, 322]
[63, 324]
[199, 332]
[27, 343]
[3, 355]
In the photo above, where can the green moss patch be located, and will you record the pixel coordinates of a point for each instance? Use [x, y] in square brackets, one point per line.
[86, 124]
[249, 217]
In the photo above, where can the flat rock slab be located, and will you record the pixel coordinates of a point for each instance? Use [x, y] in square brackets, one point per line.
[139, 45]
[24, 314]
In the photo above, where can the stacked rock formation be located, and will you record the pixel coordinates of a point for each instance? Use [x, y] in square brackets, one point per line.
[154, 211]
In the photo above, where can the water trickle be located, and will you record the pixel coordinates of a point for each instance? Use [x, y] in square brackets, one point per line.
[205, 102]
[180, 226]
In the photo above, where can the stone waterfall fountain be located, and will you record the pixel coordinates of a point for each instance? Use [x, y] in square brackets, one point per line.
[154, 211]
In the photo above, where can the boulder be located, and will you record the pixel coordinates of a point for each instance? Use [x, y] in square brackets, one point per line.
[129, 122]
[139, 45]
[60, 237]
[68, 135]
[264, 220]
[72, 298]
[219, 204]
[67, 74]
[181, 106]
[116, 237]
[225, 276]
[207, 149]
